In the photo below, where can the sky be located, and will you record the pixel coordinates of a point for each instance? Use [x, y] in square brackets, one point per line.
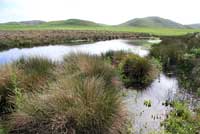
[101, 11]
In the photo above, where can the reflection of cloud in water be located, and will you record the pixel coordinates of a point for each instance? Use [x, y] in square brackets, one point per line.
[56, 52]
[148, 119]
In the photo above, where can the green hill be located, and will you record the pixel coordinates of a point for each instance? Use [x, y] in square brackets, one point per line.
[194, 26]
[32, 22]
[73, 22]
[155, 22]
[69, 22]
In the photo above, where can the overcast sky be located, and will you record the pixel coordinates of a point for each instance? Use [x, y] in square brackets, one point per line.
[102, 11]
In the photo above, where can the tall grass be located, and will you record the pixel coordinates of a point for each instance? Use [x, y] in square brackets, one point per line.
[6, 89]
[35, 72]
[181, 55]
[88, 65]
[82, 99]
[134, 70]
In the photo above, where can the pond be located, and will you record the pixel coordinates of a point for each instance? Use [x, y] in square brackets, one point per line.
[56, 52]
[144, 119]
[148, 119]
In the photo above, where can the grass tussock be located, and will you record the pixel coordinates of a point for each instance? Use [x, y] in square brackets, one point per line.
[35, 72]
[84, 65]
[81, 98]
[7, 88]
[81, 106]
[135, 71]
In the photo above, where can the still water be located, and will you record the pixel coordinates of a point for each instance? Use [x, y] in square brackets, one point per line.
[144, 119]
[56, 52]
[147, 119]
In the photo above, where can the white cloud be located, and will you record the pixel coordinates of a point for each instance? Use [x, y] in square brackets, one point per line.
[103, 11]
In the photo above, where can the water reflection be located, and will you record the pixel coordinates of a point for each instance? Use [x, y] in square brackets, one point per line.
[56, 52]
[147, 119]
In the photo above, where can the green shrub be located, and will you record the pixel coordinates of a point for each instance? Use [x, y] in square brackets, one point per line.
[196, 76]
[180, 55]
[135, 71]
[196, 52]
[198, 92]
[182, 121]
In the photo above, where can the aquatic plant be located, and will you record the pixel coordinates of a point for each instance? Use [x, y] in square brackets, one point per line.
[181, 120]
[147, 103]
[135, 71]
[181, 56]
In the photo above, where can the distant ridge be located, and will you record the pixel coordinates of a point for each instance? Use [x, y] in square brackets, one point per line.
[194, 26]
[32, 22]
[147, 22]
[155, 22]
[73, 22]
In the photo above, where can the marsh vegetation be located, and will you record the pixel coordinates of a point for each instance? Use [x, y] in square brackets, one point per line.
[93, 93]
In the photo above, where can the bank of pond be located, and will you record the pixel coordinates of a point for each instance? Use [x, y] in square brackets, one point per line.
[116, 92]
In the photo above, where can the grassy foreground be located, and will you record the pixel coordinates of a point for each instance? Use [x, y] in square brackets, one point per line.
[77, 96]
[154, 31]
[80, 95]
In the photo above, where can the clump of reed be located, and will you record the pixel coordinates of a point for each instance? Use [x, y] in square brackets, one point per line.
[88, 65]
[7, 87]
[25, 75]
[135, 71]
[81, 99]
[35, 72]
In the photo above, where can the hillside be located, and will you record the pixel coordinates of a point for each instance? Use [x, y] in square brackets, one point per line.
[72, 22]
[32, 22]
[152, 22]
[195, 26]
[69, 22]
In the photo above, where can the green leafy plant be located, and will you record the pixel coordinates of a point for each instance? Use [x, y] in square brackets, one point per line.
[148, 103]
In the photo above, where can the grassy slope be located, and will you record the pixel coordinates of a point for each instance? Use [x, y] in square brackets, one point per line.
[155, 22]
[156, 31]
